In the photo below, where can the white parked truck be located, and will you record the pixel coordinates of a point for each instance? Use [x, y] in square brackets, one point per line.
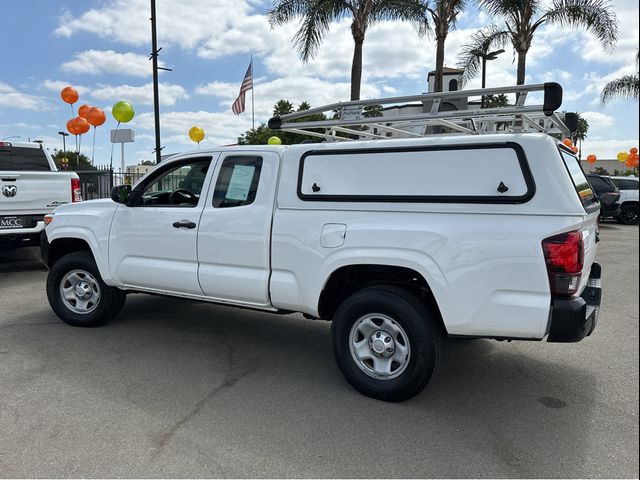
[30, 187]
[398, 242]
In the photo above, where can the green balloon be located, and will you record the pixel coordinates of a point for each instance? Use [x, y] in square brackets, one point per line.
[122, 111]
[274, 141]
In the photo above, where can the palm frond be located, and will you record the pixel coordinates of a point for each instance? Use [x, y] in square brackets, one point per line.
[510, 8]
[596, 16]
[284, 11]
[623, 87]
[412, 11]
[484, 40]
[316, 16]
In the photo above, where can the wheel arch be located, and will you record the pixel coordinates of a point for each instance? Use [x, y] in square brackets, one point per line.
[64, 243]
[347, 279]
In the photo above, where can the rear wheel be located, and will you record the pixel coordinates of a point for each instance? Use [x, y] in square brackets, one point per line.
[77, 293]
[629, 214]
[386, 343]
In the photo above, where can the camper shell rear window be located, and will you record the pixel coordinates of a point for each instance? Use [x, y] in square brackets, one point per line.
[476, 173]
[580, 182]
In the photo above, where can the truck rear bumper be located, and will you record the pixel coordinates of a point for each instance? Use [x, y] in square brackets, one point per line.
[573, 319]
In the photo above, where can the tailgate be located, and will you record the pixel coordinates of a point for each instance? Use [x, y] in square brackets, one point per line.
[33, 192]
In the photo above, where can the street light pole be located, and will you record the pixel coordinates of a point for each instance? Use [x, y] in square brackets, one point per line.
[486, 56]
[154, 57]
[64, 143]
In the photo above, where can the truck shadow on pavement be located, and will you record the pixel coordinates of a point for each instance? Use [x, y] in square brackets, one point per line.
[20, 260]
[201, 371]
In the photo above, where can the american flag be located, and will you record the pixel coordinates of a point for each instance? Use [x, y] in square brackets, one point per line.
[247, 84]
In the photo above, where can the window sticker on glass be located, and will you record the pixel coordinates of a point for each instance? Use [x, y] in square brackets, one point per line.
[240, 182]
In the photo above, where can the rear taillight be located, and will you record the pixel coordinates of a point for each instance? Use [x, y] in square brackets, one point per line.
[76, 192]
[564, 255]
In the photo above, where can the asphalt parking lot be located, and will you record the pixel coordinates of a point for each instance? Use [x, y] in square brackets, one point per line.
[174, 388]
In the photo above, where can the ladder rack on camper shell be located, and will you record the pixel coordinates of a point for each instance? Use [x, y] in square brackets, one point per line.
[440, 115]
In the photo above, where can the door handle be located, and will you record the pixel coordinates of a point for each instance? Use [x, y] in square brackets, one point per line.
[184, 224]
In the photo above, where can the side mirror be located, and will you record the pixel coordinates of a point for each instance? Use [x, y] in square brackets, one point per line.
[121, 194]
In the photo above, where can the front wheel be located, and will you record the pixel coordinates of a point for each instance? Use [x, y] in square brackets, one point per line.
[77, 294]
[386, 343]
[629, 215]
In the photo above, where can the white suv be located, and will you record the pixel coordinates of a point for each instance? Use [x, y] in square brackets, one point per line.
[628, 187]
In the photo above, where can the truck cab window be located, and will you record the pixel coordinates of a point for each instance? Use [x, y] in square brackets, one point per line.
[237, 182]
[180, 186]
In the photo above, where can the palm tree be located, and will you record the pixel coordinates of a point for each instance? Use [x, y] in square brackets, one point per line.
[580, 134]
[316, 17]
[523, 18]
[443, 15]
[623, 87]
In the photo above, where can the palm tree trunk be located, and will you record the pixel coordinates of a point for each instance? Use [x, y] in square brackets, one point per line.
[522, 61]
[356, 67]
[438, 81]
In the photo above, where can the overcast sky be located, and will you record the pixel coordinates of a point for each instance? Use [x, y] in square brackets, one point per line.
[101, 47]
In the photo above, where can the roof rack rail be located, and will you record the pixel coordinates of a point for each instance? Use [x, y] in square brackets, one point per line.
[442, 113]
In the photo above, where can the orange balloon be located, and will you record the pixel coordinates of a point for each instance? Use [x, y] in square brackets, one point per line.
[633, 150]
[591, 158]
[96, 116]
[574, 149]
[69, 95]
[71, 127]
[83, 110]
[81, 125]
[567, 142]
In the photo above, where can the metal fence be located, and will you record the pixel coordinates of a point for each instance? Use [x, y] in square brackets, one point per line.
[99, 182]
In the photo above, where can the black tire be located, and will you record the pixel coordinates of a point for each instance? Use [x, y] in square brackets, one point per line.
[629, 214]
[417, 322]
[109, 300]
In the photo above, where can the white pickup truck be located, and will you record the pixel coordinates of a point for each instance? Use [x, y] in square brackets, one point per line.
[398, 242]
[30, 188]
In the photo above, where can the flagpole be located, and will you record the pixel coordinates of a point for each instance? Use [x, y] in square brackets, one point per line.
[253, 110]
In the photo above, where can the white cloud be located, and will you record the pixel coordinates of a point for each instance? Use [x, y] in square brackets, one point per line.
[589, 47]
[220, 128]
[186, 24]
[109, 94]
[607, 148]
[12, 98]
[97, 62]
[598, 121]
[143, 94]
[58, 85]
[295, 89]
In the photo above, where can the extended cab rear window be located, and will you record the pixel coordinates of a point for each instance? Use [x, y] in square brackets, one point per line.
[583, 188]
[23, 159]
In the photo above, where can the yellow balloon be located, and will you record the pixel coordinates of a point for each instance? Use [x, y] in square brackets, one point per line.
[196, 134]
[622, 157]
[274, 141]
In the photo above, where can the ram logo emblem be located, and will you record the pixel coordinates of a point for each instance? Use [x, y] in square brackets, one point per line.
[9, 191]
